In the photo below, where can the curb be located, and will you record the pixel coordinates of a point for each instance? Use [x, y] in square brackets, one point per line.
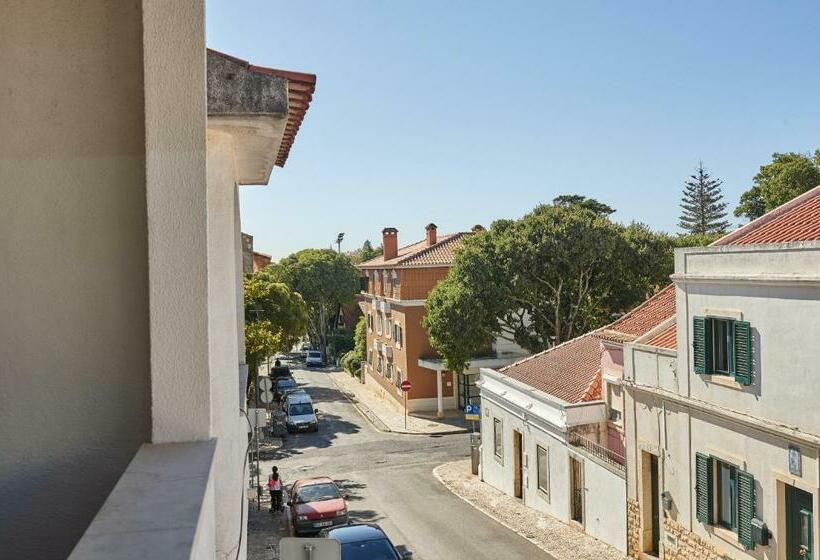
[486, 512]
[380, 425]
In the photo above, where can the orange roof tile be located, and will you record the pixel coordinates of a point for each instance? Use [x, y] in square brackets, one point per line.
[421, 254]
[301, 88]
[568, 371]
[647, 315]
[667, 338]
[797, 220]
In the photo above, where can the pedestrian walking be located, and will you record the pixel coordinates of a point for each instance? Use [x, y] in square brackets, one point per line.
[275, 489]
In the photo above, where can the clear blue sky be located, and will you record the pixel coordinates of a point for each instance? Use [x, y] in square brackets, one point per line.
[464, 112]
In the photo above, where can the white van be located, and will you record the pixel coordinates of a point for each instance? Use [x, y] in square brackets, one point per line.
[314, 358]
[300, 416]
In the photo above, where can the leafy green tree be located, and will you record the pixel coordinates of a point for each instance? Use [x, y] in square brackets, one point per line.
[787, 176]
[703, 211]
[352, 361]
[560, 271]
[326, 281]
[567, 200]
[365, 253]
[275, 318]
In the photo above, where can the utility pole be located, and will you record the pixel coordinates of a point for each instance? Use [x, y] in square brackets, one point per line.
[339, 239]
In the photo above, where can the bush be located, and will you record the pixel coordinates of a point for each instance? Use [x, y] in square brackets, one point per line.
[352, 362]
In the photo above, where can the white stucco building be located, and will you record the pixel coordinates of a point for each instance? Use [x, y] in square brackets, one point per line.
[122, 368]
[723, 428]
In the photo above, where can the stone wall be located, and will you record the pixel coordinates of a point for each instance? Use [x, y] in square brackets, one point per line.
[689, 545]
[633, 528]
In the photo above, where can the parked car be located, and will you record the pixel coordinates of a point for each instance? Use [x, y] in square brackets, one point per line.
[299, 413]
[280, 371]
[365, 541]
[315, 504]
[284, 398]
[283, 384]
[314, 358]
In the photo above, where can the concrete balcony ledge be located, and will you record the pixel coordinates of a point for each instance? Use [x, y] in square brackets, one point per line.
[157, 507]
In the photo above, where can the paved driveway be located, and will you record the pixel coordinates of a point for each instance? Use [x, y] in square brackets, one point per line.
[390, 482]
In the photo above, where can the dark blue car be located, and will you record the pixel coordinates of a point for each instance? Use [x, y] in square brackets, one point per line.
[365, 541]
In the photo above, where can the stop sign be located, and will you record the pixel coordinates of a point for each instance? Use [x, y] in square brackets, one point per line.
[406, 386]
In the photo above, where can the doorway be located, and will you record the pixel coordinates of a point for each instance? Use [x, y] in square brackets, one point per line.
[518, 467]
[799, 524]
[576, 469]
[650, 504]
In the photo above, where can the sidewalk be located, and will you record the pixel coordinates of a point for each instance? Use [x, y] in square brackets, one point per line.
[550, 535]
[388, 416]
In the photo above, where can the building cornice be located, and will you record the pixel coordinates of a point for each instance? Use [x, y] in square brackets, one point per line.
[757, 279]
[768, 426]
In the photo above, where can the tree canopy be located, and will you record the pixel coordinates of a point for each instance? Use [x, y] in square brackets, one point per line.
[326, 280]
[703, 209]
[561, 270]
[365, 253]
[785, 177]
[275, 318]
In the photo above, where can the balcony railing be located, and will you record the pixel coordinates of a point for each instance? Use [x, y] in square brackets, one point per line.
[609, 456]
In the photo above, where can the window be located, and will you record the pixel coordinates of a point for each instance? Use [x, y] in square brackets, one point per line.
[388, 373]
[370, 357]
[614, 415]
[498, 438]
[722, 346]
[398, 377]
[370, 322]
[725, 496]
[397, 334]
[543, 457]
[395, 285]
[389, 330]
[379, 364]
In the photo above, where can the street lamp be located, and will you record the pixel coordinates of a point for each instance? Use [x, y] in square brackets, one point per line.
[339, 239]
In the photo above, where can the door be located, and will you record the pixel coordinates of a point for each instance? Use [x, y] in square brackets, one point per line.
[655, 509]
[650, 505]
[576, 490]
[518, 467]
[799, 525]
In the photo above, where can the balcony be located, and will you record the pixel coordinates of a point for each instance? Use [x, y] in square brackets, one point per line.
[611, 454]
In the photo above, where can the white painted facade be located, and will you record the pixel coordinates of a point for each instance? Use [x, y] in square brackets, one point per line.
[545, 421]
[672, 413]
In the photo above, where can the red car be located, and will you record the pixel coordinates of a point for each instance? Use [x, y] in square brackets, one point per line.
[316, 504]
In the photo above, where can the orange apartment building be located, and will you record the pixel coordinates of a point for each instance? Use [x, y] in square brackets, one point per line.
[394, 290]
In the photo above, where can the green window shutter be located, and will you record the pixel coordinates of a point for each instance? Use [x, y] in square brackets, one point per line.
[743, 353]
[703, 487]
[701, 334]
[745, 508]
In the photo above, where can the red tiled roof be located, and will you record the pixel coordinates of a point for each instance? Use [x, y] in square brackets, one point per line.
[301, 88]
[421, 254]
[647, 315]
[797, 220]
[568, 371]
[667, 338]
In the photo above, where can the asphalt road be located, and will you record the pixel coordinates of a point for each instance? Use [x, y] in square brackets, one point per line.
[389, 481]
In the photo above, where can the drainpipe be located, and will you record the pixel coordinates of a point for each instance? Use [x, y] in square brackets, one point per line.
[439, 395]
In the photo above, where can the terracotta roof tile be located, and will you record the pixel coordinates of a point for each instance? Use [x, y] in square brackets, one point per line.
[647, 315]
[420, 254]
[301, 88]
[667, 338]
[568, 371]
[797, 220]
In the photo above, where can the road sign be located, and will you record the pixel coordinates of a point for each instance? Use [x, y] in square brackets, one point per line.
[266, 397]
[265, 383]
[472, 412]
[406, 385]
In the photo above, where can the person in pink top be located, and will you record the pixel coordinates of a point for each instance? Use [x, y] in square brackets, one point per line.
[275, 489]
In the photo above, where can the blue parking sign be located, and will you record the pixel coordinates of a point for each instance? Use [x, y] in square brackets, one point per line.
[472, 412]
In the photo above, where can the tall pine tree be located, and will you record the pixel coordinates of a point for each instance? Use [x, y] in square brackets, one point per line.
[703, 211]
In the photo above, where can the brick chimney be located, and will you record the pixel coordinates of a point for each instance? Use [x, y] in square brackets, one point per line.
[431, 234]
[390, 243]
